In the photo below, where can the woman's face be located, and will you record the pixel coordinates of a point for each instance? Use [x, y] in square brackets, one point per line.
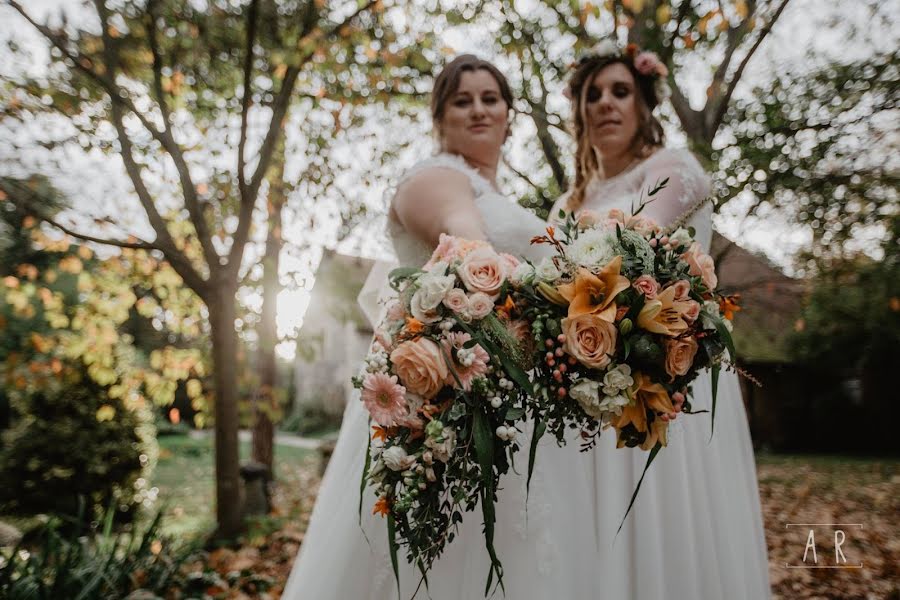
[611, 110]
[474, 121]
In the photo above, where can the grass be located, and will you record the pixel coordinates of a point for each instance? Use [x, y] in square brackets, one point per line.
[184, 478]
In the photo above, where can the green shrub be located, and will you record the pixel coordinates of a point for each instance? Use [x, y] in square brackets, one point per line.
[71, 442]
[311, 420]
[83, 564]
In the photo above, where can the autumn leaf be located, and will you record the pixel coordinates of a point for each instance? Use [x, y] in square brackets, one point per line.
[106, 413]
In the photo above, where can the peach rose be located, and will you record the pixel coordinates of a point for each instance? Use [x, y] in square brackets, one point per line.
[646, 285]
[701, 264]
[483, 270]
[511, 262]
[680, 355]
[588, 218]
[590, 339]
[480, 305]
[682, 289]
[420, 366]
[692, 310]
[456, 300]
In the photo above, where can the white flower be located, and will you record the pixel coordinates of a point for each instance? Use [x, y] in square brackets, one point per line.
[432, 289]
[613, 404]
[617, 379]
[587, 394]
[709, 314]
[681, 237]
[396, 459]
[438, 268]
[593, 248]
[547, 270]
[605, 48]
[524, 273]
[444, 448]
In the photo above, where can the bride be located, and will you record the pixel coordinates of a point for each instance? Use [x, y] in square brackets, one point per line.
[544, 555]
[695, 530]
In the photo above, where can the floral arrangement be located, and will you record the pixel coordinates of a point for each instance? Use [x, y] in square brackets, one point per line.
[624, 317]
[446, 388]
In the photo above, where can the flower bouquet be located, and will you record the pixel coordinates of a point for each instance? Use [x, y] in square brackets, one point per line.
[624, 317]
[445, 385]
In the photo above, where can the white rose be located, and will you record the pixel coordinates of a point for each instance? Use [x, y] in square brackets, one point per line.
[524, 273]
[617, 379]
[377, 472]
[432, 289]
[396, 459]
[547, 270]
[593, 248]
[438, 268]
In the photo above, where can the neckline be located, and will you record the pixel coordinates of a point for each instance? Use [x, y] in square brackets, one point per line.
[469, 169]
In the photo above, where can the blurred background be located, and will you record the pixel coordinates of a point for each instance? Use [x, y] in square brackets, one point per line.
[162, 158]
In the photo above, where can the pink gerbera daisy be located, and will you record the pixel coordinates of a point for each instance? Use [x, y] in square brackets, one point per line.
[384, 398]
[465, 374]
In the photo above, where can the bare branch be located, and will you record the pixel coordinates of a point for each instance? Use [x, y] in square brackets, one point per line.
[247, 96]
[140, 245]
[157, 62]
[715, 116]
[279, 112]
[118, 97]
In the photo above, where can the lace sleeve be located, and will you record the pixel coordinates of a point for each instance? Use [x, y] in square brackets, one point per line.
[686, 191]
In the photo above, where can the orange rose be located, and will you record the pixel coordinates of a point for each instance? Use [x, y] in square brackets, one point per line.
[420, 366]
[680, 355]
[590, 339]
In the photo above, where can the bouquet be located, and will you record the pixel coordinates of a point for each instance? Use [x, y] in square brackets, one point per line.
[624, 317]
[445, 385]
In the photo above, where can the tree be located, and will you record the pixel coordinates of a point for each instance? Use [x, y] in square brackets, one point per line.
[136, 72]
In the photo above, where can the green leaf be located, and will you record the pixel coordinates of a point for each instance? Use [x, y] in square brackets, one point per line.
[726, 337]
[714, 373]
[540, 426]
[365, 471]
[392, 542]
[650, 458]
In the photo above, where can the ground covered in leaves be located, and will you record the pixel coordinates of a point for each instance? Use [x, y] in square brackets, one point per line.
[794, 490]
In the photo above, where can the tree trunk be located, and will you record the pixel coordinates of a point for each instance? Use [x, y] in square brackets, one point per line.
[224, 350]
[266, 402]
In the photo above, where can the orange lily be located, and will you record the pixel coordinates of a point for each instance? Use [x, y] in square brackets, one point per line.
[507, 307]
[382, 507]
[594, 294]
[664, 314]
[646, 394]
[414, 325]
[729, 305]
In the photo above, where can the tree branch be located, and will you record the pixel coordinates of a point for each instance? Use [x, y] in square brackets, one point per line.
[118, 97]
[279, 112]
[247, 96]
[715, 115]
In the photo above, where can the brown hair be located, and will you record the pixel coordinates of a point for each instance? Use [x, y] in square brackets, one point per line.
[648, 138]
[447, 82]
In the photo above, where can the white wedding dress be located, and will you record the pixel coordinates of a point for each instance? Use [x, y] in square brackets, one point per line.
[544, 554]
[695, 531]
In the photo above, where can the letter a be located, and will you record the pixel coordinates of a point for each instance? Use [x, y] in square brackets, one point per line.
[837, 546]
[810, 543]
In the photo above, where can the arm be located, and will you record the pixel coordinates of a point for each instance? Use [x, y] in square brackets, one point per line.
[438, 201]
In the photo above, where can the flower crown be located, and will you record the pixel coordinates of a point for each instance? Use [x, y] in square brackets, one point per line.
[647, 64]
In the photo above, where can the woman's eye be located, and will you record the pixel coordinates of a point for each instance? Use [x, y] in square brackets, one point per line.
[461, 102]
[490, 100]
[593, 94]
[622, 92]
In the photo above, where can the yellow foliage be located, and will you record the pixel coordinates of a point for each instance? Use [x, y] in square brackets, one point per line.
[194, 388]
[71, 264]
[663, 14]
[106, 413]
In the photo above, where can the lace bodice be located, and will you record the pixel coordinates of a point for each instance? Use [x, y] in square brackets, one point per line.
[508, 226]
[688, 186]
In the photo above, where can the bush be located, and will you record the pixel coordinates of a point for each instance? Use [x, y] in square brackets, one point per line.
[71, 442]
[75, 563]
[311, 420]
